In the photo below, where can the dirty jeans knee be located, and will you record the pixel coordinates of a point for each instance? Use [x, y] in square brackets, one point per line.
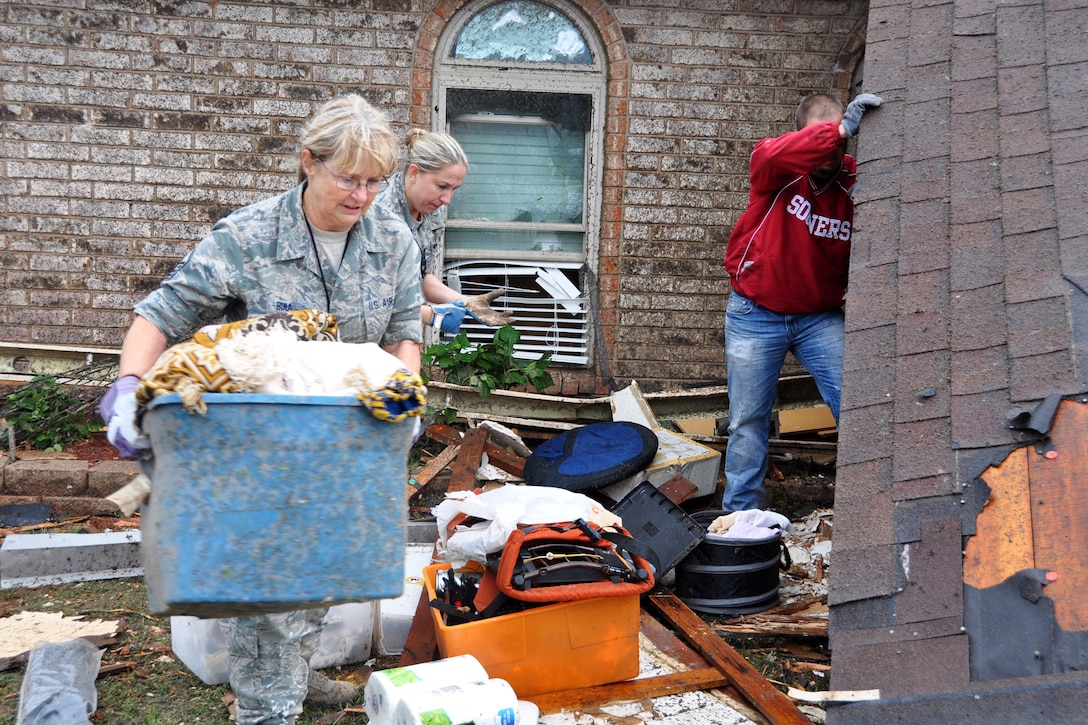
[268, 675]
[756, 343]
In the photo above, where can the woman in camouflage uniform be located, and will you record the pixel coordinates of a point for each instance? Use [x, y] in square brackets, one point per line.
[321, 245]
[435, 166]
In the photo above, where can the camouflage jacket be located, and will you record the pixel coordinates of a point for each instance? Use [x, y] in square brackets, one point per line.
[261, 259]
[429, 231]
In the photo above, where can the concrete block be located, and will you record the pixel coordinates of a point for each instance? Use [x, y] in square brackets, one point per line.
[46, 477]
[106, 477]
[34, 560]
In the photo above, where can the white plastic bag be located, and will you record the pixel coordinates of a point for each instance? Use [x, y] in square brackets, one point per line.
[502, 509]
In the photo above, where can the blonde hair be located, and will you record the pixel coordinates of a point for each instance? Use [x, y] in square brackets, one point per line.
[353, 135]
[432, 151]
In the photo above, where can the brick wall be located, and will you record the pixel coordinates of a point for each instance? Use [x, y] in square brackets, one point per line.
[127, 129]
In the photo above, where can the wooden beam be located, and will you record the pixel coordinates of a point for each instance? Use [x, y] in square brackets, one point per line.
[775, 625]
[764, 696]
[468, 460]
[432, 469]
[643, 687]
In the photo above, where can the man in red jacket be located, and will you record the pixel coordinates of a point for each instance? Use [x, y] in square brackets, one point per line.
[787, 260]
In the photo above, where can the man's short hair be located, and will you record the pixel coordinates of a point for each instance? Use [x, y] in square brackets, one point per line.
[818, 107]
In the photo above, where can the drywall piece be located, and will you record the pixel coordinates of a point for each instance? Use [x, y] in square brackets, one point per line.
[677, 455]
[34, 560]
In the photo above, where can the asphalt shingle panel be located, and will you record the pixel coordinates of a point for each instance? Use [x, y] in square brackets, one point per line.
[978, 318]
[927, 178]
[1034, 377]
[975, 136]
[901, 669]
[877, 286]
[978, 421]
[931, 40]
[977, 254]
[922, 332]
[1038, 327]
[926, 247]
[979, 371]
[1071, 192]
[934, 588]
[1034, 266]
[921, 386]
[976, 197]
[973, 57]
[872, 571]
[1020, 30]
[865, 433]
[922, 449]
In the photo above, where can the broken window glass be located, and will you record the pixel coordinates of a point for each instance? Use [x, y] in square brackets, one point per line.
[523, 31]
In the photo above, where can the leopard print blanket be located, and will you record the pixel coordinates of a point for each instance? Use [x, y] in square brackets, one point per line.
[191, 368]
[197, 366]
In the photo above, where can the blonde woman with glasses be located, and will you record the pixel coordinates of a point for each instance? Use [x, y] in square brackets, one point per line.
[320, 245]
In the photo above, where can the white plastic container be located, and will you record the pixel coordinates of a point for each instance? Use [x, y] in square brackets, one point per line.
[386, 688]
[395, 616]
[201, 644]
[486, 702]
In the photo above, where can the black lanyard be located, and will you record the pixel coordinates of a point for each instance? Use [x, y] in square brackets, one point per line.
[321, 267]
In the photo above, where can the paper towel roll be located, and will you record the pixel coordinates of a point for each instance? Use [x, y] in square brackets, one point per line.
[385, 688]
[528, 713]
[487, 702]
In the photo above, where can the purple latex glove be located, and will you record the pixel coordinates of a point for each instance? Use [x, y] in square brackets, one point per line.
[123, 384]
[118, 410]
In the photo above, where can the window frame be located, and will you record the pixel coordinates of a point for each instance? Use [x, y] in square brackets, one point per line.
[515, 76]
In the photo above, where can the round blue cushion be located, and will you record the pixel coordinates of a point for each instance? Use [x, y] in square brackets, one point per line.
[592, 456]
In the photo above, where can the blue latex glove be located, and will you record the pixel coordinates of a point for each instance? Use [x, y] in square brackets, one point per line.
[851, 120]
[449, 316]
[118, 411]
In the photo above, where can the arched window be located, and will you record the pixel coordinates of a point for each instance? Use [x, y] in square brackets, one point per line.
[521, 85]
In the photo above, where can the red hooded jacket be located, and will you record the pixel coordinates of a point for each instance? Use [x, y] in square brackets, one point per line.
[790, 250]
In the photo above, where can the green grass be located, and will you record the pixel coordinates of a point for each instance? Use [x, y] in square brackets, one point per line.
[157, 689]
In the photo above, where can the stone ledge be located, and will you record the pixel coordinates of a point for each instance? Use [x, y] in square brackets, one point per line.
[73, 487]
[47, 476]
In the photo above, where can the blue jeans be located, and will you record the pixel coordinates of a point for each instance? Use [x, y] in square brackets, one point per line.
[756, 343]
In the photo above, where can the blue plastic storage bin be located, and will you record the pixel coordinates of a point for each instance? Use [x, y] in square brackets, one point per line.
[272, 503]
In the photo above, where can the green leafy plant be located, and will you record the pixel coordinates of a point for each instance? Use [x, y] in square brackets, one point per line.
[489, 366]
[46, 416]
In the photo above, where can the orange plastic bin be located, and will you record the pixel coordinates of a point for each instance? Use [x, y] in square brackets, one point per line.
[562, 646]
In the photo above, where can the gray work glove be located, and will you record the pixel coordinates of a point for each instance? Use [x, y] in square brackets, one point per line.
[479, 306]
[857, 108]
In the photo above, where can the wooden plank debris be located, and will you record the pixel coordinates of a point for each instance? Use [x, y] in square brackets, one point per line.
[764, 696]
[642, 688]
[498, 457]
[775, 625]
[432, 469]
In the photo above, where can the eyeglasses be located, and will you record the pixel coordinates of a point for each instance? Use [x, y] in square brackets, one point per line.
[347, 183]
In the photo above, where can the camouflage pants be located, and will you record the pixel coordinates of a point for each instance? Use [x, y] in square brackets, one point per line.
[268, 663]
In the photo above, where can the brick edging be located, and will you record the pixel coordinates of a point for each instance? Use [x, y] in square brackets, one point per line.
[73, 487]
